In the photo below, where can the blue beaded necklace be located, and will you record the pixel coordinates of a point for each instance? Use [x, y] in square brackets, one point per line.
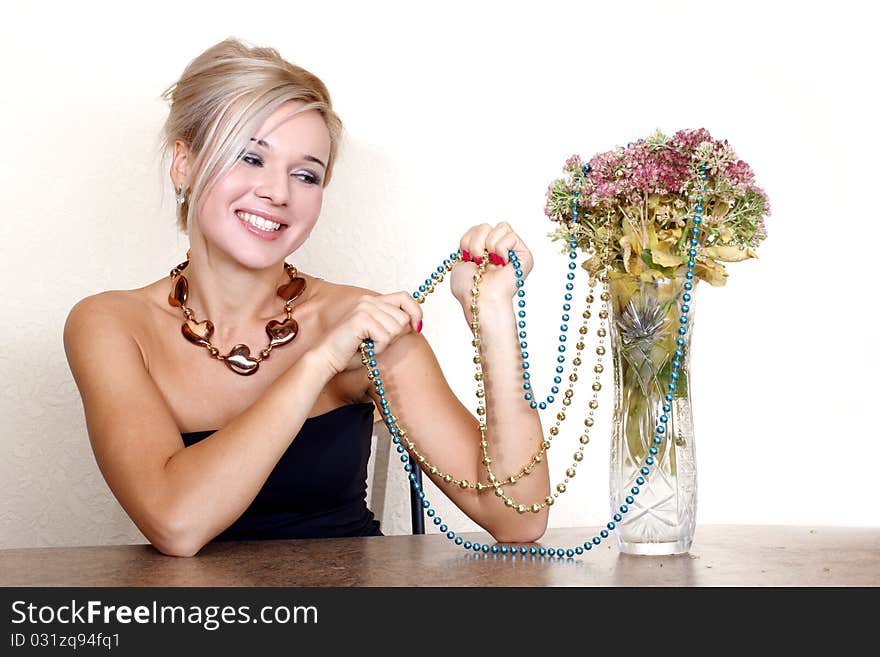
[590, 542]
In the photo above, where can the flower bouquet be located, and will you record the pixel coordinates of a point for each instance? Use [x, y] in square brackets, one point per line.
[654, 218]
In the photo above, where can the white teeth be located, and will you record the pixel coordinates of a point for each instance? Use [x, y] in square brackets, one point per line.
[259, 222]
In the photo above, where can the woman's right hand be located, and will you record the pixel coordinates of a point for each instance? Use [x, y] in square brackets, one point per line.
[380, 317]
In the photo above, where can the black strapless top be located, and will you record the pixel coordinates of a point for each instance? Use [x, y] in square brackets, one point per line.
[318, 488]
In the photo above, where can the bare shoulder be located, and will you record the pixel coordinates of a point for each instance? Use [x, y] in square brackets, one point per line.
[113, 311]
[110, 308]
[340, 298]
[117, 302]
[352, 292]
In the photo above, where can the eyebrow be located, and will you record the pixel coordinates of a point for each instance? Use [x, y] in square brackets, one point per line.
[268, 146]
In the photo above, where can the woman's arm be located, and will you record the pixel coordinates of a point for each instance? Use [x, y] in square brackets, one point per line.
[180, 498]
[445, 431]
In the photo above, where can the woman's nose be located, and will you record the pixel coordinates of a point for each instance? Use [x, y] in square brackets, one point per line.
[274, 187]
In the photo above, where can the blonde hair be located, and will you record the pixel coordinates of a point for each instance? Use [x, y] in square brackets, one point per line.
[223, 97]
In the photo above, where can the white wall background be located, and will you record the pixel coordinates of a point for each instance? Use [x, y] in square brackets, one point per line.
[459, 113]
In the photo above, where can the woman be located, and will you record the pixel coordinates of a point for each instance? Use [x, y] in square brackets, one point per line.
[198, 439]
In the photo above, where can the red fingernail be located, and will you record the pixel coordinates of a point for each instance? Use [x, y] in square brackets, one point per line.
[478, 261]
[420, 326]
[465, 255]
[496, 259]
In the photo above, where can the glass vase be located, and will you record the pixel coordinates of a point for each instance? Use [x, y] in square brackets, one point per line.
[661, 516]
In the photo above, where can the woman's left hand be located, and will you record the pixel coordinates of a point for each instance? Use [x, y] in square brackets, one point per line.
[498, 282]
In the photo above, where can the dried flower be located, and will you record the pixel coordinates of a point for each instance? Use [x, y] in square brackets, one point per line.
[628, 207]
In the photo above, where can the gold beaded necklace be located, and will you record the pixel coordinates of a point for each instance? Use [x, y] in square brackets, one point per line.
[492, 481]
[561, 487]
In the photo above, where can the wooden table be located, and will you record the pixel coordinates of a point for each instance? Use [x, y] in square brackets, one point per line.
[722, 555]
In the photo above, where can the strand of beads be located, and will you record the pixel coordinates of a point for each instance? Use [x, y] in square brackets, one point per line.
[437, 276]
[569, 394]
[597, 369]
[400, 433]
[481, 410]
[424, 290]
[590, 543]
[566, 307]
[422, 460]
[561, 487]
[571, 471]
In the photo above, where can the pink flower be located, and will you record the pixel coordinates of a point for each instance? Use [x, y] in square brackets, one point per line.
[596, 192]
[573, 163]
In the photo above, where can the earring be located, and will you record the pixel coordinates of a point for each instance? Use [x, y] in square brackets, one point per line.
[179, 196]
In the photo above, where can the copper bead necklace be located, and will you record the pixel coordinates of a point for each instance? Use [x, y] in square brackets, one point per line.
[239, 358]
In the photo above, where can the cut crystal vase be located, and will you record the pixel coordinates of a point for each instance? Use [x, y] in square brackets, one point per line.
[661, 516]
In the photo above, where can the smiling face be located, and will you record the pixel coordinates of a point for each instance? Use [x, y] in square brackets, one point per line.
[267, 205]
